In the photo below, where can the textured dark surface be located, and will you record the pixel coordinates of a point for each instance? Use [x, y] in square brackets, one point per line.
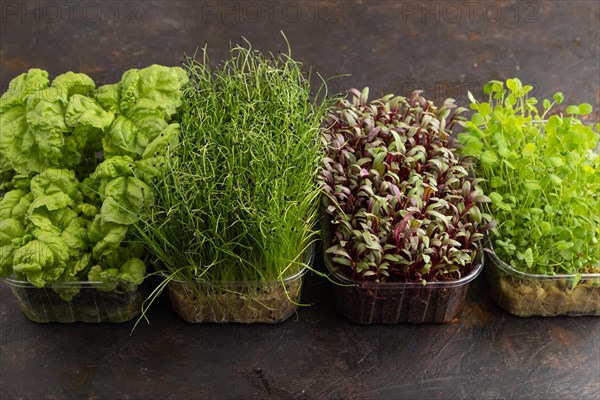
[392, 46]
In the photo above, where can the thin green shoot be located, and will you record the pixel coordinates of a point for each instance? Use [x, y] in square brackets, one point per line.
[239, 203]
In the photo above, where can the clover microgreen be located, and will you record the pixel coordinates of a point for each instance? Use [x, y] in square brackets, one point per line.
[542, 174]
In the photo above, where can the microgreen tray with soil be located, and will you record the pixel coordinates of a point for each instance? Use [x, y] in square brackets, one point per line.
[542, 173]
[75, 163]
[235, 216]
[526, 295]
[402, 223]
[242, 302]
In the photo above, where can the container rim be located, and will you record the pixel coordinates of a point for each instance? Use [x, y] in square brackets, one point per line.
[477, 263]
[507, 268]
[310, 256]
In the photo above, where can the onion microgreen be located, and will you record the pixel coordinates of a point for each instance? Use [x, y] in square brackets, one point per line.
[239, 201]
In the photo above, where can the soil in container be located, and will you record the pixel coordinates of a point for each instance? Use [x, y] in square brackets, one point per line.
[389, 303]
[390, 306]
[244, 303]
[526, 295]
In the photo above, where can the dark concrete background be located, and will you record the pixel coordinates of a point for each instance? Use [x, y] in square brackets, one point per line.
[393, 47]
[389, 45]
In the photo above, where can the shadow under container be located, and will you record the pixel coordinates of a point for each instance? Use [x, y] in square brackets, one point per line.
[390, 303]
[90, 302]
[242, 302]
[526, 295]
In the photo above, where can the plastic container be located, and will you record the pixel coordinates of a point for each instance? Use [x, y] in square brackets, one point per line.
[390, 303]
[526, 295]
[89, 304]
[243, 302]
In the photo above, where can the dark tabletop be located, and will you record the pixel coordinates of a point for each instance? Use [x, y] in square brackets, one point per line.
[445, 48]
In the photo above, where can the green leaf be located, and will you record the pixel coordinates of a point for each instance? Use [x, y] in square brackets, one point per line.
[10, 229]
[128, 138]
[392, 258]
[572, 110]
[108, 97]
[546, 103]
[508, 164]
[378, 162]
[364, 96]
[438, 216]
[108, 275]
[126, 197]
[476, 214]
[532, 185]
[510, 101]
[52, 202]
[38, 127]
[555, 179]
[53, 181]
[585, 108]
[555, 161]
[106, 236]
[43, 259]
[496, 182]
[559, 97]
[86, 111]
[528, 257]
[155, 84]
[514, 84]
[133, 271]
[562, 245]
[71, 83]
[488, 157]
[23, 85]
[528, 150]
[495, 197]
[471, 97]
[472, 147]
[163, 85]
[493, 86]
[485, 109]
[478, 119]
[32, 137]
[545, 227]
[504, 207]
[15, 204]
[535, 210]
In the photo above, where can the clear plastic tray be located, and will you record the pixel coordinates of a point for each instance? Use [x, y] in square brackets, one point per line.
[389, 303]
[526, 295]
[242, 302]
[89, 305]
